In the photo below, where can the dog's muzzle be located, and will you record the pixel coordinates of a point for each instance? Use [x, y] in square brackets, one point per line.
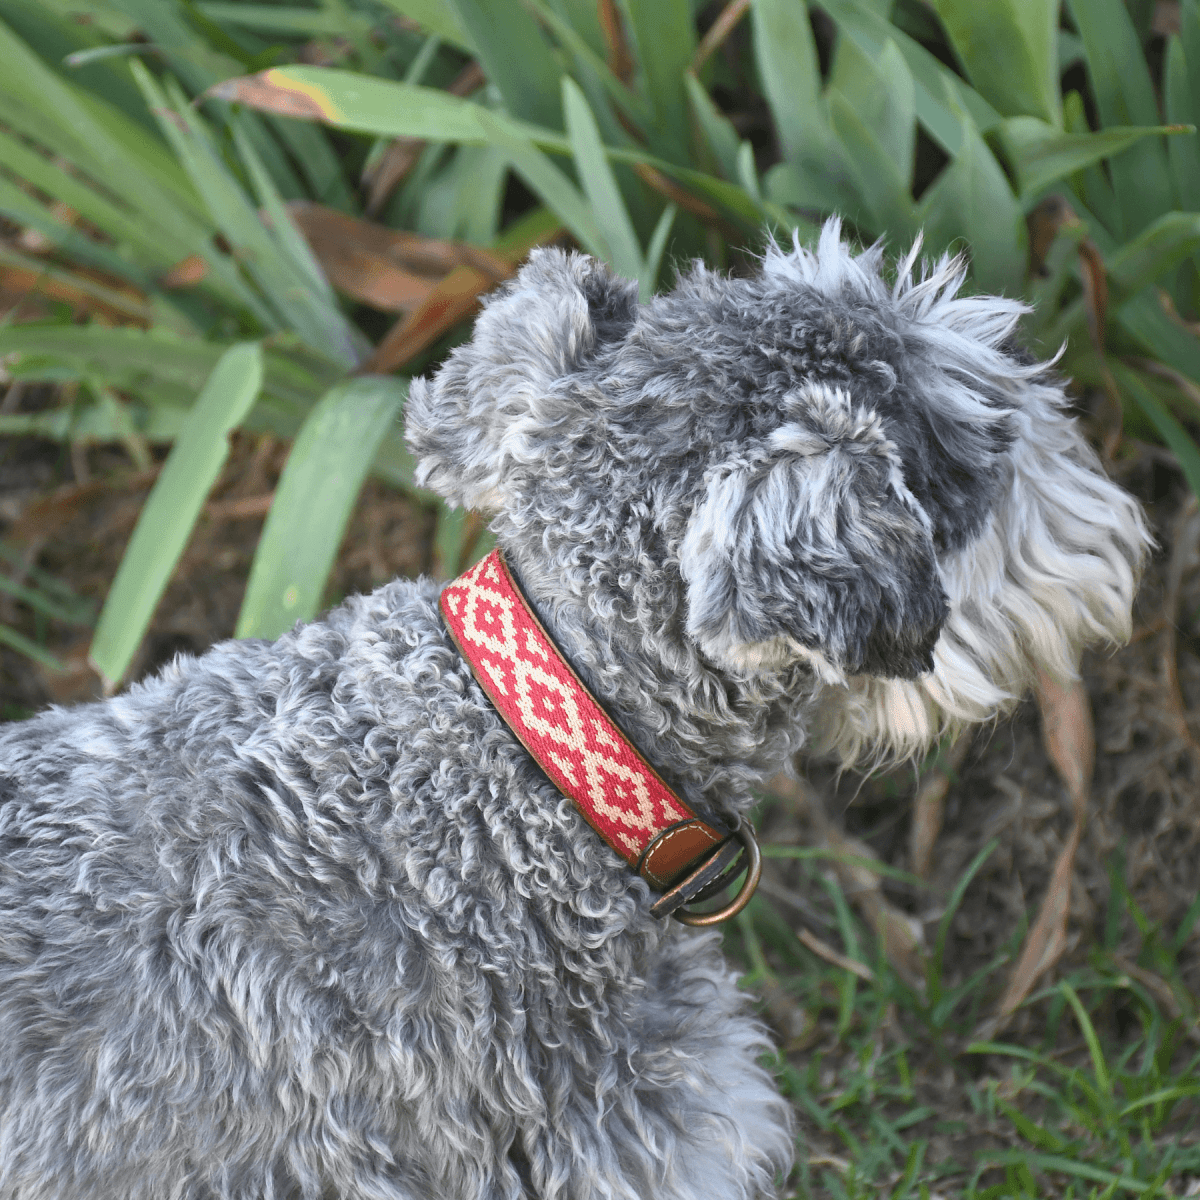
[586, 756]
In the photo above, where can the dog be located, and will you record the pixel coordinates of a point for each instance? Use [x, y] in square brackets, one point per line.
[305, 920]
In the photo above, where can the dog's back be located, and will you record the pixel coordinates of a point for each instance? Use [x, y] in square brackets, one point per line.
[302, 919]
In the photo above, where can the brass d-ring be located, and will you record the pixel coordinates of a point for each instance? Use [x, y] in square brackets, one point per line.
[745, 835]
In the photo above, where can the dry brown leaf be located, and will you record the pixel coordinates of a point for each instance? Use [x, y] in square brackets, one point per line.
[830, 955]
[401, 155]
[1044, 223]
[720, 29]
[187, 272]
[388, 269]
[1046, 940]
[1165, 20]
[929, 805]
[115, 303]
[900, 934]
[239, 508]
[1068, 734]
[667, 187]
[269, 91]
[390, 171]
[1185, 534]
[455, 298]
[620, 61]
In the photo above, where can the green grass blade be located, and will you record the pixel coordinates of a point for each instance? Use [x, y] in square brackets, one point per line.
[791, 78]
[1155, 251]
[1010, 52]
[515, 57]
[384, 107]
[664, 37]
[624, 252]
[313, 501]
[435, 16]
[290, 22]
[882, 96]
[166, 520]
[1174, 434]
[591, 62]
[938, 93]
[716, 130]
[655, 251]
[144, 237]
[23, 209]
[40, 602]
[286, 233]
[943, 930]
[1043, 155]
[1124, 95]
[1143, 318]
[140, 361]
[1180, 81]
[18, 641]
[293, 302]
[554, 189]
[1089, 1036]
[886, 204]
[971, 199]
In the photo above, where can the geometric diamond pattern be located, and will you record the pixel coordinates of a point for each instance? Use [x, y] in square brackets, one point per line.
[550, 710]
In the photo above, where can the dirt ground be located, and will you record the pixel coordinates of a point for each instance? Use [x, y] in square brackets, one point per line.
[70, 513]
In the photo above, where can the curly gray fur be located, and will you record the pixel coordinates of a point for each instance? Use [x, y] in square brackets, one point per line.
[303, 920]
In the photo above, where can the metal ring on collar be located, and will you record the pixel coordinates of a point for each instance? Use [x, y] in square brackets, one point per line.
[745, 835]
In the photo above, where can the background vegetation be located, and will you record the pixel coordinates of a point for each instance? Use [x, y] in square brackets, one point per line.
[266, 217]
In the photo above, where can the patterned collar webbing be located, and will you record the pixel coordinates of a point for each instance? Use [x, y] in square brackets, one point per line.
[570, 736]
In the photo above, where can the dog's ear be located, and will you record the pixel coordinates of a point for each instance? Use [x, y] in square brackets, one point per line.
[494, 402]
[809, 545]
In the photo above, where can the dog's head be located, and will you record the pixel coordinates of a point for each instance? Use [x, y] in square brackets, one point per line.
[814, 466]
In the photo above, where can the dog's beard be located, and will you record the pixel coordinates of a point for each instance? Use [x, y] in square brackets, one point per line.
[1054, 569]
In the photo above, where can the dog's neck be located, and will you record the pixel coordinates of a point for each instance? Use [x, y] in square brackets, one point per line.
[711, 736]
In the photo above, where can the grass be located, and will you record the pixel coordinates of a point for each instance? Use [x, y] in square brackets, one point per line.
[897, 1095]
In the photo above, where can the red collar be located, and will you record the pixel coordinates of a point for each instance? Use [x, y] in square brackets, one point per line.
[580, 748]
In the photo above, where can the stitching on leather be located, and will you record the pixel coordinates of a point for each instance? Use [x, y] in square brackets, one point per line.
[666, 837]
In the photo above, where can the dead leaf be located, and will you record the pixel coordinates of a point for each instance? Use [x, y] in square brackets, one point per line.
[1046, 940]
[186, 273]
[830, 955]
[1165, 20]
[620, 61]
[718, 31]
[239, 508]
[390, 172]
[1068, 734]
[401, 155]
[654, 178]
[388, 269]
[900, 934]
[929, 805]
[455, 298]
[1044, 223]
[1185, 534]
[270, 91]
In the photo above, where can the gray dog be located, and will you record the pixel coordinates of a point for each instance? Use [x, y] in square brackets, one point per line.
[303, 920]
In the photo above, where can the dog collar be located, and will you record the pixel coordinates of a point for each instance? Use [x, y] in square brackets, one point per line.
[584, 753]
